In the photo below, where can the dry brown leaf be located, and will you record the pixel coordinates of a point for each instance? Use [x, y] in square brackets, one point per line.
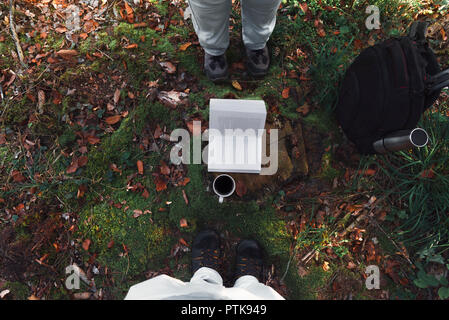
[113, 119]
[165, 170]
[184, 46]
[185, 197]
[183, 223]
[140, 166]
[67, 54]
[116, 96]
[184, 181]
[131, 46]
[73, 166]
[161, 184]
[236, 85]
[145, 194]
[86, 244]
[168, 66]
[304, 109]
[17, 176]
[240, 188]
[82, 161]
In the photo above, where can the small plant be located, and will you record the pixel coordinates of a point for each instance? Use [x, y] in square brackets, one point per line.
[426, 280]
[419, 181]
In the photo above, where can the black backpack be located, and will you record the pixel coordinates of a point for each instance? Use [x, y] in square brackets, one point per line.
[388, 87]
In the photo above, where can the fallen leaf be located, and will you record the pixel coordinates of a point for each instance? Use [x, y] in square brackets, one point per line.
[116, 96]
[184, 181]
[129, 13]
[86, 244]
[113, 119]
[93, 140]
[17, 176]
[236, 85]
[186, 200]
[240, 188]
[140, 166]
[145, 194]
[168, 67]
[172, 98]
[137, 213]
[183, 223]
[161, 184]
[286, 93]
[81, 191]
[131, 46]
[73, 166]
[184, 46]
[67, 54]
[165, 170]
[304, 109]
[82, 161]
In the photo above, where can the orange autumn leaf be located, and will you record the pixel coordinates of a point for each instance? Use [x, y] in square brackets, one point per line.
[140, 166]
[86, 244]
[131, 46]
[165, 170]
[183, 223]
[184, 181]
[161, 184]
[82, 161]
[286, 93]
[236, 85]
[129, 13]
[113, 119]
[183, 242]
[184, 46]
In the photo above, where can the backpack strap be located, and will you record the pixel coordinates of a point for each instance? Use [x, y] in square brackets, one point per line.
[437, 82]
[418, 31]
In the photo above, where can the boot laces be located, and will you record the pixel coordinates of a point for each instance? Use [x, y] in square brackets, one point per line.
[208, 258]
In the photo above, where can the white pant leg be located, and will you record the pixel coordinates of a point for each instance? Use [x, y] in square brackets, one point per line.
[259, 290]
[258, 22]
[206, 283]
[211, 22]
[205, 276]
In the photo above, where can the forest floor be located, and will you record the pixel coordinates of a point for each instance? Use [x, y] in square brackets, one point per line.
[85, 174]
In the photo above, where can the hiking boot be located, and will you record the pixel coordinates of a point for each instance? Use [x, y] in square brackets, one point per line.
[258, 61]
[216, 67]
[206, 250]
[249, 259]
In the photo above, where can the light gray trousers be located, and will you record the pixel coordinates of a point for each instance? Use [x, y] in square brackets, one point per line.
[211, 22]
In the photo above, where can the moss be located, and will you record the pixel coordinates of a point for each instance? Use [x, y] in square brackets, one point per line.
[113, 146]
[327, 170]
[16, 113]
[67, 138]
[307, 287]
[18, 290]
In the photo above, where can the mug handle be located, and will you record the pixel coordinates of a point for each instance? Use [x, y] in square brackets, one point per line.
[220, 199]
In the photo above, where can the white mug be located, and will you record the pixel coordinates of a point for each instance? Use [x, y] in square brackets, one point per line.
[224, 186]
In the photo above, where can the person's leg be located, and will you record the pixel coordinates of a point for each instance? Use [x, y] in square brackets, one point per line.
[261, 291]
[249, 272]
[211, 23]
[258, 22]
[205, 274]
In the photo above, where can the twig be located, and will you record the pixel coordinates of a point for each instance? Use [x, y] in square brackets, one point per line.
[14, 34]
